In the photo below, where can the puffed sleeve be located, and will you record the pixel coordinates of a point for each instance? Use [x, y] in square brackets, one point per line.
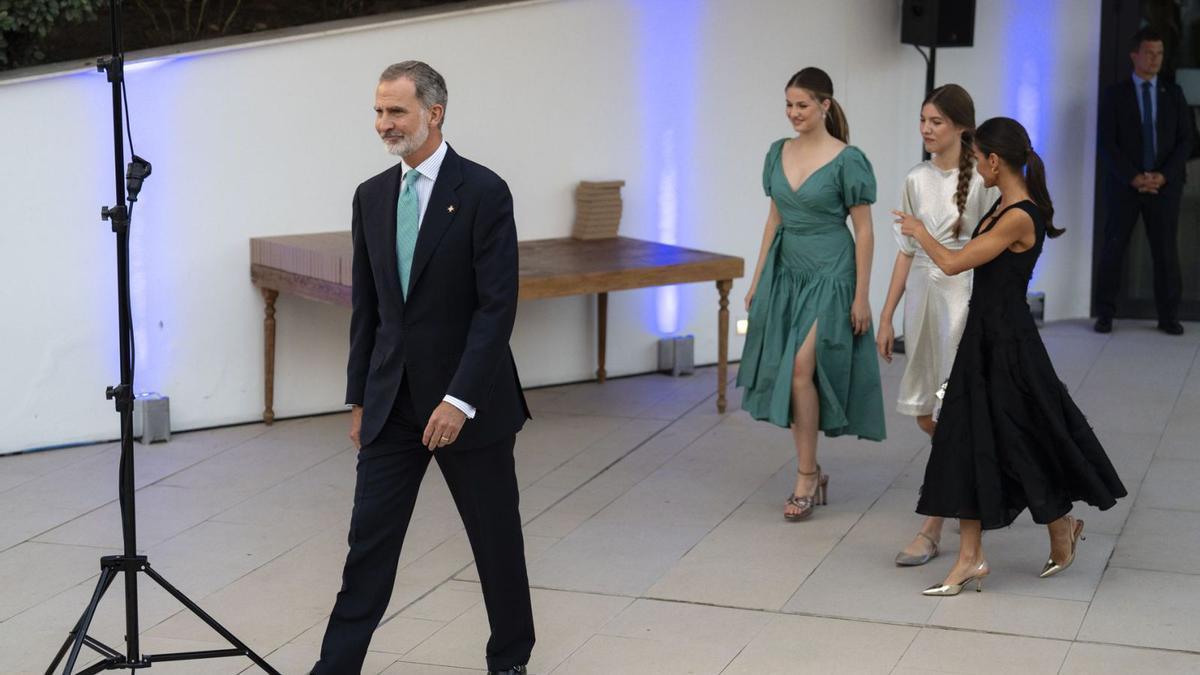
[858, 179]
[908, 245]
[770, 162]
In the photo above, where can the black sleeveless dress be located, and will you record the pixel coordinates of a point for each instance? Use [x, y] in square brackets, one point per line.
[1009, 437]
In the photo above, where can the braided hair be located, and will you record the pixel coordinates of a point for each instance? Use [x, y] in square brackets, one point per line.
[956, 105]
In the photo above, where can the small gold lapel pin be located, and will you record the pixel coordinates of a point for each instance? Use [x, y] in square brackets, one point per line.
[450, 209]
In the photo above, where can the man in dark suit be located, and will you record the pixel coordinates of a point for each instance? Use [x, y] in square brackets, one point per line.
[430, 372]
[1145, 139]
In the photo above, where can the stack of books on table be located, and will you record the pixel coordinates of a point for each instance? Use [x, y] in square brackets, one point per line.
[597, 209]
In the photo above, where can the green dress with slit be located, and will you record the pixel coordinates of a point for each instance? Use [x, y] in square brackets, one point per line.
[809, 277]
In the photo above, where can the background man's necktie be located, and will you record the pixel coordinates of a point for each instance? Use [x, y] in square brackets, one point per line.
[1148, 153]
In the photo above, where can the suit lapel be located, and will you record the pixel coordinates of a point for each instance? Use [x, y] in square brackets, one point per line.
[439, 214]
[385, 220]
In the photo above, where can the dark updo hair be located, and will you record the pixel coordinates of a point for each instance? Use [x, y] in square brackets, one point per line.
[1007, 139]
[816, 82]
[955, 103]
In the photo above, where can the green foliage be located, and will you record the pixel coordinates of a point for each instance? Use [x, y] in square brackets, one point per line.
[24, 23]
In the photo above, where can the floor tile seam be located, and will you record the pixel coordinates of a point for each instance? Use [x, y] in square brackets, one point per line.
[266, 488]
[1067, 654]
[183, 609]
[585, 449]
[1175, 404]
[30, 478]
[928, 626]
[1148, 569]
[292, 640]
[116, 549]
[774, 613]
[1138, 492]
[1162, 508]
[721, 522]
[1130, 645]
[219, 453]
[838, 542]
[435, 665]
[1092, 366]
[1018, 594]
[907, 649]
[550, 668]
[739, 653]
[89, 581]
[117, 501]
[163, 479]
[908, 463]
[998, 633]
[604, 416]
[645, 640]
[64, 467]
[581, 645]
[1107, 563]
[632, 450]
[452, 577]
[32, 537]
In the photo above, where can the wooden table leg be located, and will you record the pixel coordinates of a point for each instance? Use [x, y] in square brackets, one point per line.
[269, 356]
[723, 287]
[602, 335]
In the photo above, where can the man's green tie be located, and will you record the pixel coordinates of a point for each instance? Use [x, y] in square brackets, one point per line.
[408, 221]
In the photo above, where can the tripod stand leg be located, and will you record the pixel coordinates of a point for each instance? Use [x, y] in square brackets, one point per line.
[212, 623]
[75, 639]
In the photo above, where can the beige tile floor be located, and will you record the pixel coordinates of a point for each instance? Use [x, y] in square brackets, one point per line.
[654, 539]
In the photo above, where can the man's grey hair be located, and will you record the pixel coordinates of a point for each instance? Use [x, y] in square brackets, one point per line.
[429, 83]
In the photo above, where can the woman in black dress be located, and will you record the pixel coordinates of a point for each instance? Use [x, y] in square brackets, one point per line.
[1008, 437]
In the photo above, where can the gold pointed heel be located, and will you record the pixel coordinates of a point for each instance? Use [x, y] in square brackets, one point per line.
[1051, 568]
[946, 590]
[806, 504]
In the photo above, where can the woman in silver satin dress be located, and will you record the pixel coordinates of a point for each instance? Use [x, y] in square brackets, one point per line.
[949, 197]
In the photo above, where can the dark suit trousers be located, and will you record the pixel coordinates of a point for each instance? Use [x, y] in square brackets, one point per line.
[1160, 215]
[483, 483]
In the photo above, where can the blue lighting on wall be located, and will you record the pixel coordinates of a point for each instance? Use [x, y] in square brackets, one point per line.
[1031, 32]
[151, 96]
[669, 91]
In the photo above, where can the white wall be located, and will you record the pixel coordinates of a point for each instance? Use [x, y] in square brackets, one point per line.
[679, 97]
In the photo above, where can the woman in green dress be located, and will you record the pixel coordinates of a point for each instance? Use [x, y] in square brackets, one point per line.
[809, 360]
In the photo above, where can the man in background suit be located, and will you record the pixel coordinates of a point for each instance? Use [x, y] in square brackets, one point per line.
[1145, 139]
[430, 372]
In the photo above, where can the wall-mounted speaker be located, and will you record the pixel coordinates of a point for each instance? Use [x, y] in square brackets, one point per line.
[938, 23]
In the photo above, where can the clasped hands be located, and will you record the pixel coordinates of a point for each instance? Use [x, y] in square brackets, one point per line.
[1149, 182]
[443, 428]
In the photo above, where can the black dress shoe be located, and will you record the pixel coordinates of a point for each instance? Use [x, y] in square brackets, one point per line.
[1103, 325]
[515, 670]
[1171, 327]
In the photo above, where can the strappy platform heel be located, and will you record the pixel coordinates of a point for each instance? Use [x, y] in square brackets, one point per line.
[806, 504]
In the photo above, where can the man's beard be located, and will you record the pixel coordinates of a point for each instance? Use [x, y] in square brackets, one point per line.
[408, 144]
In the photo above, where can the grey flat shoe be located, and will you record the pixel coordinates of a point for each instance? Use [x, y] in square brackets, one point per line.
[905, 560]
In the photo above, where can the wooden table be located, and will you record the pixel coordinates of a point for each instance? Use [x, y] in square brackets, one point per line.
[318, 267]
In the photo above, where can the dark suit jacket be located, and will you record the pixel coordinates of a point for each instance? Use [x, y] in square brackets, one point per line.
[1120, 129]
[451, 334]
